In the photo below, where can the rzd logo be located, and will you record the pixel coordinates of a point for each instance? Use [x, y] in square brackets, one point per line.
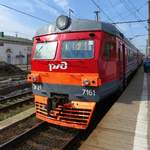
[62, 66]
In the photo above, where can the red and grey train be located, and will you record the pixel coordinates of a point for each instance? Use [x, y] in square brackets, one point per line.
[75, 64]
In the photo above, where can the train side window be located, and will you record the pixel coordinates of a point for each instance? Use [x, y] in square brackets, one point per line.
[130, 55]
[107, 51]
[119, 53]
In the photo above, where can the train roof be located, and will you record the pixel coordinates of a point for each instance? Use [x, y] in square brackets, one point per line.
[79, 25]
[83, 25]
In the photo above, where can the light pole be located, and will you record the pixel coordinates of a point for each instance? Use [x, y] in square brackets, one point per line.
[97, 15]
[70, 11]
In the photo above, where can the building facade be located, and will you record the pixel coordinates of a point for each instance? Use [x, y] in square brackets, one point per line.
[15, 50]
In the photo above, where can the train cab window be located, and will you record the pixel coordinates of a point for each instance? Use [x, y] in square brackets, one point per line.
[78, 49]
[45, 50]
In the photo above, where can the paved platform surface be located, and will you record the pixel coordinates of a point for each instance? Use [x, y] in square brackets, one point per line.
[127, 124]
[16, 118]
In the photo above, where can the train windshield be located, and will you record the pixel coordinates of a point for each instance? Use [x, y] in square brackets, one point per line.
[45, 50]
[78, 49]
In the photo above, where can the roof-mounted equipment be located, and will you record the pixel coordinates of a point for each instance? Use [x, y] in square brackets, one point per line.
[63, 22]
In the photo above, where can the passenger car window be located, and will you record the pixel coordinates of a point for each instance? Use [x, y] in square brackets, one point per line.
[130, 55]
[119, 54]
[78, 49]
[45, 50]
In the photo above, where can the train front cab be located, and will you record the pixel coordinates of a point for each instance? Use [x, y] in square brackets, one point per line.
[81, 70]
[64, 84]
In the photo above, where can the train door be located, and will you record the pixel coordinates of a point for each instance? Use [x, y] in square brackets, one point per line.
[119, 72]
[124, 65]
[109, 59]
[121, 63]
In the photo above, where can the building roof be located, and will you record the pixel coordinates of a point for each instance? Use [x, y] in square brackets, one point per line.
[13, 39]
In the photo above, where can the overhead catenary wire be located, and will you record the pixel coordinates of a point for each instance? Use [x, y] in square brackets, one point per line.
[47, 4]
[142, 6]
[117, 12]
[131, 11]
[133, 5]
[46, 21]
[136, 11]
[132, 21]
[120, 15]
[120, 22]
[66, 12]
[101, 10]
[136, 36]
[24, 13]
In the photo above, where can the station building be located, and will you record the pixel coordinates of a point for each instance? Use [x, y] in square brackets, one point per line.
[15, 50]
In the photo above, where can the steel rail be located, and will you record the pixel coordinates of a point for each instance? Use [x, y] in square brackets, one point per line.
[19, 102]
[19, 138]
[41, 128]
[15, 96]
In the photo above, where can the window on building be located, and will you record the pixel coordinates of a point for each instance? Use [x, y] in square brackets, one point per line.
[8, 55]
[8, 50]
[1, 44]
[9, 58]
[20, 58]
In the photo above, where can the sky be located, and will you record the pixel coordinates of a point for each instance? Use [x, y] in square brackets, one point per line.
[12, 22]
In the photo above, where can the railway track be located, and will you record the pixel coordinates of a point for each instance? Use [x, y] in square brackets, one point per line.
[12, 80]
[8, 103]
[44, 136]
[9, 82]
[7, 87]
[9, 78]
[15, 94]
[15, 103]
[41, 136]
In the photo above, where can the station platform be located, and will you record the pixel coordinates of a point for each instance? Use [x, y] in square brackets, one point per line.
[126, 126]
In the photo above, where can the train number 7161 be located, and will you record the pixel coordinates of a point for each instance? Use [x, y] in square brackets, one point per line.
[88, 92]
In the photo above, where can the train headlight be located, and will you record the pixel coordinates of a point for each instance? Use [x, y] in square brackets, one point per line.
[63, 22]
[90, 80]
[86, 82]
[33, 78]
